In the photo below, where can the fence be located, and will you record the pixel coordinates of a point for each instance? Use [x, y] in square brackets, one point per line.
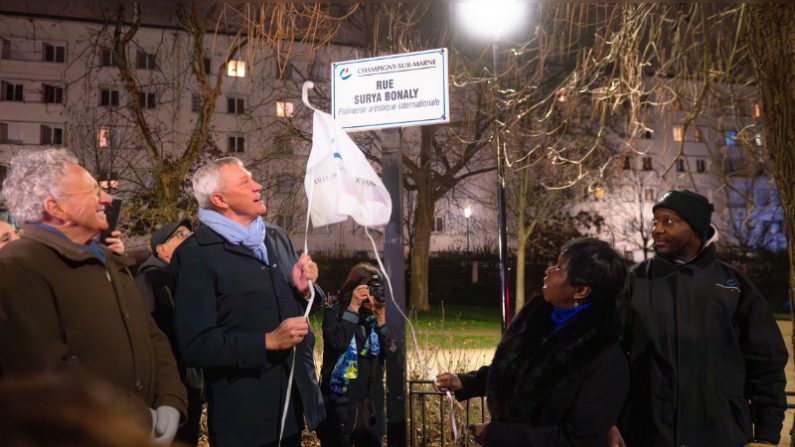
[432, 429]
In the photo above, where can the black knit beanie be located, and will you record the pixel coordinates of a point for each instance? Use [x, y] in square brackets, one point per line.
[694, 208]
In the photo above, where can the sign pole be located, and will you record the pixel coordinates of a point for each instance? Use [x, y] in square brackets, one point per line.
[395, 265]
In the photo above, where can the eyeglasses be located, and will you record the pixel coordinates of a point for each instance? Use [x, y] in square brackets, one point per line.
[182, 234]
[96, 190]
[666, 222]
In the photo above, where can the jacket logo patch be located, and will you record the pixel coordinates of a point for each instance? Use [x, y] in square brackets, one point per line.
[730, 284]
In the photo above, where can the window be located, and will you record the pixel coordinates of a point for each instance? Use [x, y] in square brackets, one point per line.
[680, 165]
[730, 138]
[647, 163]
[236, 144]
[698, 134]
[107, 58]
[284, 109]
[236, 69]
[144, 61]
[438, 225]
[54, 53]
[196, 102]
[52, 94]
[627, 163]
[109, 97]
[679, 133]
[283, 145]
[106, 138]
[757, 110]
[758, 140]
[51, 135]
[11, 133]
[12, 92]
[649, 195]
[235, 105]
[147, 100]
[676, 105]
[701, 165]
[630, 226]
[208, 64]
[108, 181]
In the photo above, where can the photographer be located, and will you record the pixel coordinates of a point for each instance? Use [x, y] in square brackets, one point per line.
[354, 341]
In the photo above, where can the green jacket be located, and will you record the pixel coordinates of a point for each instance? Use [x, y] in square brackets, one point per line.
[62, 309]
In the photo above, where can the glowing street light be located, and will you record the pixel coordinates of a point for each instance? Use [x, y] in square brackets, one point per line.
[494, 20]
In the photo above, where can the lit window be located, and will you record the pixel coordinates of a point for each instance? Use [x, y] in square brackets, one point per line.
[104, 138]
[758, 140]
[679, 133]
[236, 69]
[757, 110]
[284, 109]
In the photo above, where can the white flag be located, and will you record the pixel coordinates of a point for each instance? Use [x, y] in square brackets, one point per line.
[340, 182]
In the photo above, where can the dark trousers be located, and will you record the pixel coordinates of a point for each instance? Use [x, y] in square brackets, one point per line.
[339, 428]
[290, 441]
[188, 433]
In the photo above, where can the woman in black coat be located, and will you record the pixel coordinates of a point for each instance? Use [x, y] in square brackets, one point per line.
[559, 377]
[354, 343]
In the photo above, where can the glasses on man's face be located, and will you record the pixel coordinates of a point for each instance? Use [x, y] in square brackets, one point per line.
[96, 190]
[181, 234]
[665, 222]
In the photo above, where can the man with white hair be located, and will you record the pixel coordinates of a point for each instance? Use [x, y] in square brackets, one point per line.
[240, 298]
[68, 303]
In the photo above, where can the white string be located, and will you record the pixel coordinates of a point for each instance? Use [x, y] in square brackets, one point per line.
[306, 312]
[430, 372]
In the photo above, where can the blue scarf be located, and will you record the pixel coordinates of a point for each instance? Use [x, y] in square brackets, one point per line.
[561, 315]
[92, 245]
[252, 237]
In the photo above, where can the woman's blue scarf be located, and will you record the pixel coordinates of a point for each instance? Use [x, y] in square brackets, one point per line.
[561, 315]
[252, 237]
[347, 366]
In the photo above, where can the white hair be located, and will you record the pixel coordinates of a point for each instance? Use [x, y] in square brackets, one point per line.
[207, 179]
[32, 177]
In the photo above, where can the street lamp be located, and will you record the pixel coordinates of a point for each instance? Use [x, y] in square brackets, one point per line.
[468, 214]
[494, 20]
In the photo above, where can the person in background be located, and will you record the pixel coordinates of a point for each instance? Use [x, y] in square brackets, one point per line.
[7, 233]
[355, 337]
[706, 357]
[156, 283]
[241, 294]
[69, 303]
[559, 377]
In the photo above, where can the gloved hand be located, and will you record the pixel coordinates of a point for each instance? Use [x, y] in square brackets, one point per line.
[165, 423]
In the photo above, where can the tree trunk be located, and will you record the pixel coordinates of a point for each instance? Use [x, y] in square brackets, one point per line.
[521, 242]
[423, 220]
[772, 39]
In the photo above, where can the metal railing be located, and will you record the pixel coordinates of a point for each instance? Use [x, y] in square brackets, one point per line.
[421, 393]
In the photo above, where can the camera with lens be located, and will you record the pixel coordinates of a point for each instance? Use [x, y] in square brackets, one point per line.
[376, 288]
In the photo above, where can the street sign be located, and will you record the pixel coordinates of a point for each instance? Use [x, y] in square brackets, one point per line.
[409, 89]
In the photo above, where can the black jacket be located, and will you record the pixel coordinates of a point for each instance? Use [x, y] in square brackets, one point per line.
[226, 301]
[545, 388]
[156, 284]
[706, 357]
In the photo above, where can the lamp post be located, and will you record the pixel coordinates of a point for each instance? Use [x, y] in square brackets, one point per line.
[468, 214]
[493, 20]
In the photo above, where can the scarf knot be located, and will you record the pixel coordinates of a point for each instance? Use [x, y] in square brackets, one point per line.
[251, 237]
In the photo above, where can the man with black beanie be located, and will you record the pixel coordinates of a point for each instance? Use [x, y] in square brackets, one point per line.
[706, 357]
[156, 283]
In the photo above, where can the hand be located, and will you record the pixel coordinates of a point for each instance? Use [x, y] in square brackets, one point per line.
[165, 424]
[359, 296]
[289, 333]
[478, 432]
[378, 308]
[114, 242]
[303, 271]
[614, 438]
[447, 382]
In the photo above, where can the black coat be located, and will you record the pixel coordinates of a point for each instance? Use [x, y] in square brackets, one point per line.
[226, 301]
[545, 388]
[703, 346]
